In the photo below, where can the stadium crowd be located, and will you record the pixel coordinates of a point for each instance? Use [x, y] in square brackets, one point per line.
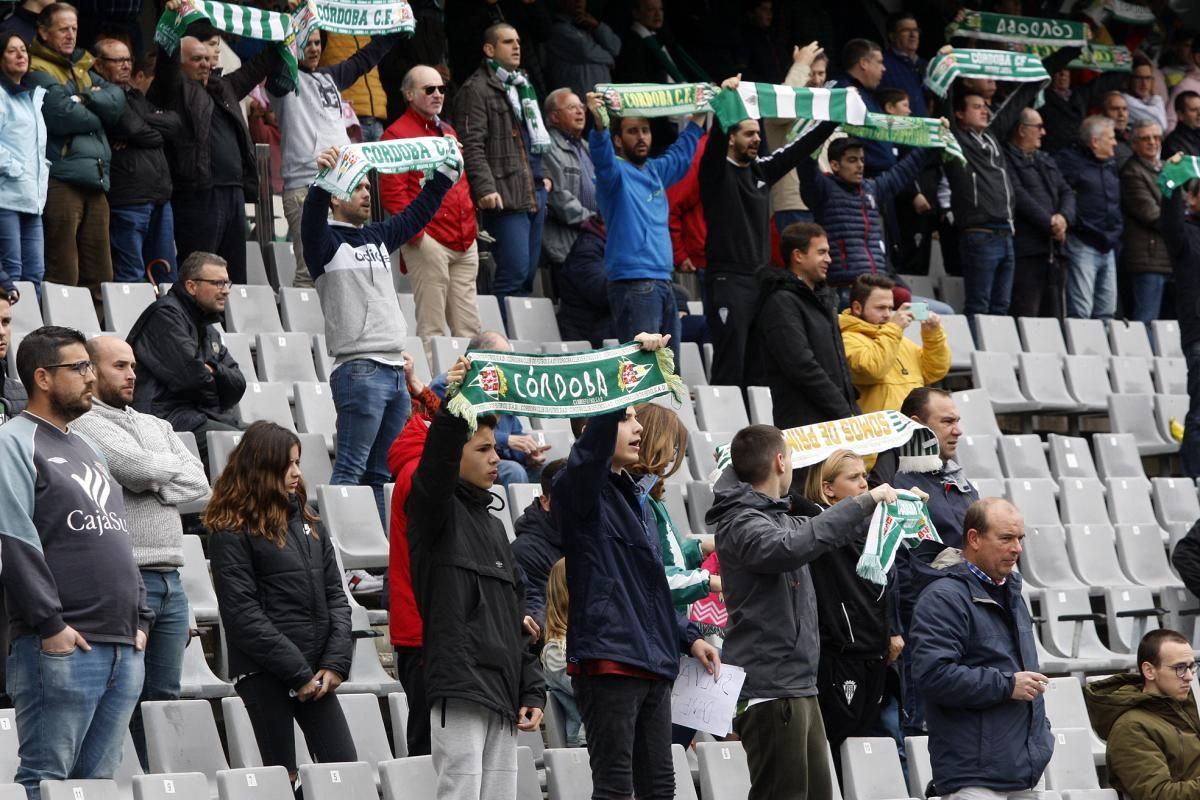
[123, 162]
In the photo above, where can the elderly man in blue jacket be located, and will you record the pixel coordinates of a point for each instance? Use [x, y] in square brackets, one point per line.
[975, 658]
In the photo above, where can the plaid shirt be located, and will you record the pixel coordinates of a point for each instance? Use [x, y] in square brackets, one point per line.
[983, 576]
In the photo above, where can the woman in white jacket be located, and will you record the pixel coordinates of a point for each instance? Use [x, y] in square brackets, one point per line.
[24, 170]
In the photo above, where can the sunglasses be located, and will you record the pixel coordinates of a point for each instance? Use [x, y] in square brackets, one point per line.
[439, 89]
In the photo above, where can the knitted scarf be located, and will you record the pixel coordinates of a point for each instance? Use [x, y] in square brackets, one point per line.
[748, 101]
[563, 385]
[523, 99]
[421, 154]
[1175, 175]
[1097, 57]
[910, 132]
[1025, 30]
[290, 32]
[1122, 11]
[999, 65]
[904, 522]
[864, 435]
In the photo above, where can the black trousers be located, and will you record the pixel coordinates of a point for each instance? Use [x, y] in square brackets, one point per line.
[212, 221]
[729, 310]
[1037, 288]
[272, 711]
[410, 671]
[628, 724]
[850, 691]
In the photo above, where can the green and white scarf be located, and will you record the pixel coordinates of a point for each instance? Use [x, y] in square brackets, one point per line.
[865, 435]
[1097, 57]
[422, 154]
[289, 31]
[523, 98]
[1175, 175]
[910, 132]
[1025, 30]
[905, 522]
[999, 65]
[563, 385]
[1122, 11]
[748, 101]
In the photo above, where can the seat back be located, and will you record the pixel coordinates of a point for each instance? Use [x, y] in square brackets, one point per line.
[532, 318]
[685, 787]
[446, 350]
[1087, 380]
[978, 416]
[701, 451]
[9, 760]
[1094, 555]
[920, 770]
[568, 774]
[251, 309]
[241, 350]
[80, 790]
[352, 519]
[180, 786]
[993, 373]
[1130, 375]
[340, 780]
[197, 580]
[1167, 341]
[1065, 707]
[285, 264]
[366, 727]
[239, 733]
[998, 334]
[1140, 549]
[27, 313]
[977, 455]
[1130, 616]
[405, 778]
[1042, 335]
[1129, 338]
[398, 712]
[1035, 500]
[762, 409]
[1129, 503]
[871, 769]
[286, 357]
[67, 305]
[124, 303]
[1127, 414]
[1117, 456]
[1083, 501]
[300, 311]
[720, 408]
[699, 501]
[1070, 457]
[724, 774]
[1023, 457]
[1086, 337]
[691, 364]
[267, 401]
[254, 783]
[315, 411]
[529, 787]
[181, 736]
[1071, 766]
[1170, 375]
[1045, 561]
[490, 318]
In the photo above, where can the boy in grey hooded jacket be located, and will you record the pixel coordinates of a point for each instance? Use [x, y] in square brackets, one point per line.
[772, 631]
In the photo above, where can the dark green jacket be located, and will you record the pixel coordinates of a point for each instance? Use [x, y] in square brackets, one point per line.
[77, 145]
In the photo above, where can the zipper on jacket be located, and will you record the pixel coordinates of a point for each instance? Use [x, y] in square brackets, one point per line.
[849, 627]
[862, 206]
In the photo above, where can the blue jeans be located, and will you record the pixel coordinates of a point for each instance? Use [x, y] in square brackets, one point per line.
[372, 405]
[22, 247]
[164, 648]
[558, 685]
[989, 272]
[518, 247]
[644, 306]
[72, 709]
[1190, 451]
[1091, 281]
[1147, 295]
[138, 235]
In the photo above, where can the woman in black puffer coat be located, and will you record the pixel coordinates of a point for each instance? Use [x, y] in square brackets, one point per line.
[283, 608]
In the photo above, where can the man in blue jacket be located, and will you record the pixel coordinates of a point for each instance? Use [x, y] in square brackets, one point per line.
[1090, 168]
[631, 190]
[976, 661]
[626, 637]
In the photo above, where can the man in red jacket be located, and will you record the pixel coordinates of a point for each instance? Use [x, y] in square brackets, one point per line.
[442, 260]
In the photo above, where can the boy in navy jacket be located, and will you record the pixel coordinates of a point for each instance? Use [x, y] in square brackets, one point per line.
[625, 635]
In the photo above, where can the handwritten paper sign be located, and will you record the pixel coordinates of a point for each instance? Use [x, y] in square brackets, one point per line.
[705, 703]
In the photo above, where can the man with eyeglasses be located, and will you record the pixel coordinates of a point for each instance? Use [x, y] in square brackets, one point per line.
[141, 224]
[442, 260]
[1149, 721]
[310, 119]
[1142, 100]
[76, 603]
[975, 659]
[572, 198]
[1043, 210]
[904, 69]
[185, 373]
[1144, 258]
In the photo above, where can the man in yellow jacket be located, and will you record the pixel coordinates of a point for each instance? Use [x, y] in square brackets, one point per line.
[884, 365]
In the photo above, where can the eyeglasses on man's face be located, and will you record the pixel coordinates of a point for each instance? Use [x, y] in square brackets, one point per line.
[220, 284]
[78, 367]
[1181, 670]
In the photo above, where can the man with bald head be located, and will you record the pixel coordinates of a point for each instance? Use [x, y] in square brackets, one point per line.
[442, 260]
[572, 199]
[975, 659]
[213, 169]
[157, 474]
[310, 119]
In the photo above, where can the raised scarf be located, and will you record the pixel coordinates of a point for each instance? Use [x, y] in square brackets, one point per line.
[1175, 175]
[1122, 11]
[1025, 30]
[910, 132]
[420, 154]
[564, 384]
[671, 61]
[999, 65]
[1097, 57]
[748, 101]
[523, 99]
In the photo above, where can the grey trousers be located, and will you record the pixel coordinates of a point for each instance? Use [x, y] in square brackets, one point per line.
[474, 751]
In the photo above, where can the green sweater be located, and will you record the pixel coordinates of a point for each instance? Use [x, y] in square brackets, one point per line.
[681, 559]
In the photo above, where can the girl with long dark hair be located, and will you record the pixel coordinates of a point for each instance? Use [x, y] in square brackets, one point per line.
[283, 607]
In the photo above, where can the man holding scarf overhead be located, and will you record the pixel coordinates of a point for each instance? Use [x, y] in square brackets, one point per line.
[507, 182]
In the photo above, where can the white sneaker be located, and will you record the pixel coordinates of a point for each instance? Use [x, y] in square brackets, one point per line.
[362, 582]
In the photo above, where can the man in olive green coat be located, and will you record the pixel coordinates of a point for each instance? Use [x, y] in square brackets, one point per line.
[1150, 721]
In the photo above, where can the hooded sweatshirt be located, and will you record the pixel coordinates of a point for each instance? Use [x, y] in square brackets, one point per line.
[885, 366]
[764, 553]
[1153, 741]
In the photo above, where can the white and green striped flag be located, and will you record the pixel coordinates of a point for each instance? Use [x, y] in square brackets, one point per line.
[999, 65]
[774, 101]
[1026, 30]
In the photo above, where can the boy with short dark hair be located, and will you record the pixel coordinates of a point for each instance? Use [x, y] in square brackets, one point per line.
[625, 636]
[772, 631]
[480, 676]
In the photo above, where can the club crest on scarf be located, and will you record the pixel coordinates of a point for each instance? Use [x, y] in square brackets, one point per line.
[491, 381]
[629, 374]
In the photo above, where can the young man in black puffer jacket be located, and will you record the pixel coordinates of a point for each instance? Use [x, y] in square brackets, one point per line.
[480, 678]
[538, 545]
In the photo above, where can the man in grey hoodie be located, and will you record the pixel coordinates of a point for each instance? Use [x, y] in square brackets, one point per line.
[772, 631]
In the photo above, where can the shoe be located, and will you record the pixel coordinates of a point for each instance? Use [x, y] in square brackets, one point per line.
[362, 582]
